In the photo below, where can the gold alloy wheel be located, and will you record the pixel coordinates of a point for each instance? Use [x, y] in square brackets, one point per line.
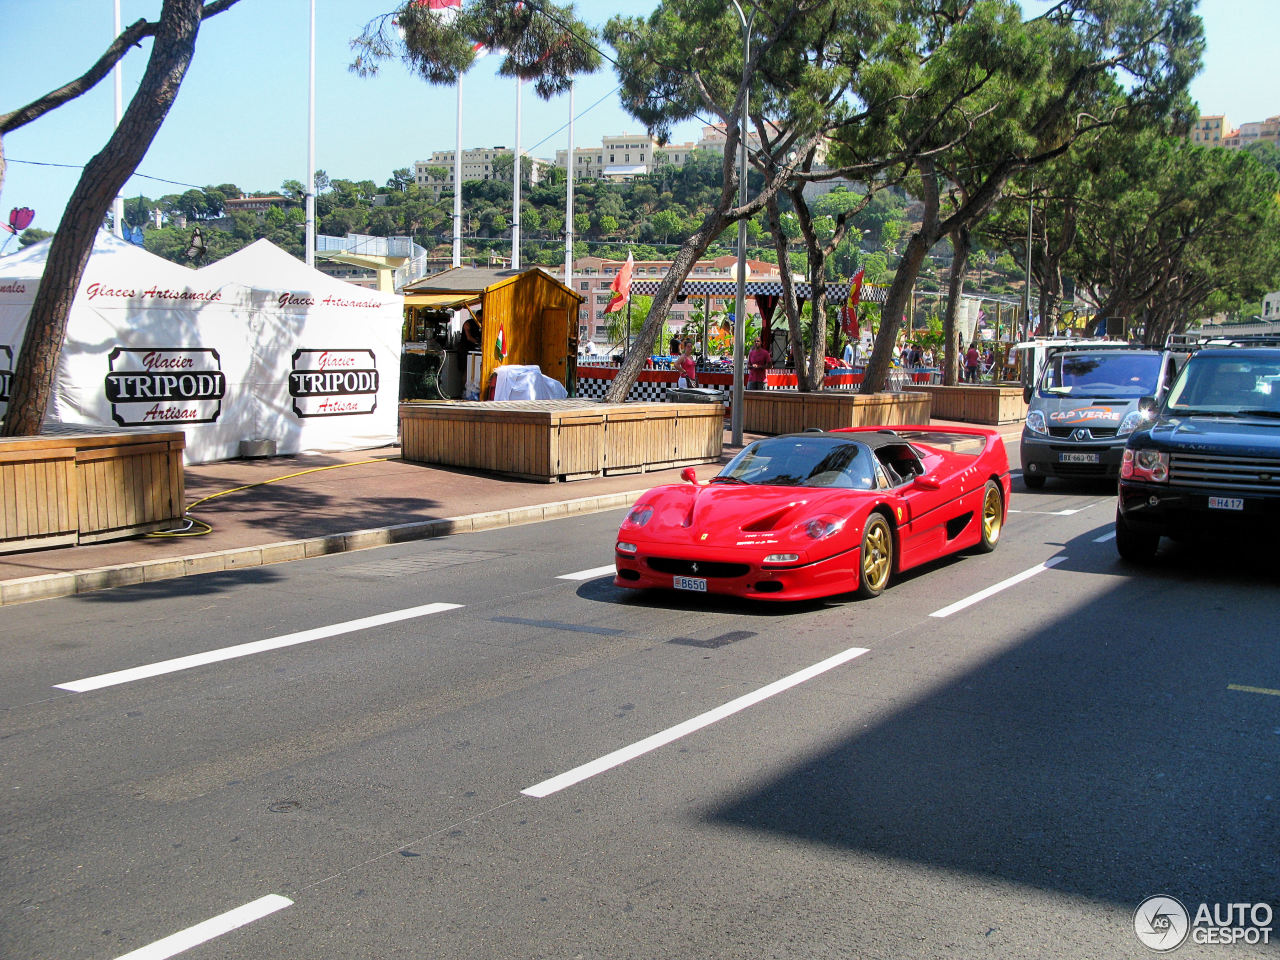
[992, 514]
[877, 554]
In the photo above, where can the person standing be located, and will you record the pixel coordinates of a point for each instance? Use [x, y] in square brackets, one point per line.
[758, 365]
[972, 362]
[686, 366]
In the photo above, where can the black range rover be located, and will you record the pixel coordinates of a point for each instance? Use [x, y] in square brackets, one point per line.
[1209, 460]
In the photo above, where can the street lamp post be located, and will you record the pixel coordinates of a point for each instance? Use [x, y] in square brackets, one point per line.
[740, 301]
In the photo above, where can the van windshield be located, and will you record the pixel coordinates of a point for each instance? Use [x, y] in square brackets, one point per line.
[1113, 375]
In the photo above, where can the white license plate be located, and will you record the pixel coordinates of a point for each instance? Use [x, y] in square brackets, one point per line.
[690, 583]
[1226, 503]
[1078, 458]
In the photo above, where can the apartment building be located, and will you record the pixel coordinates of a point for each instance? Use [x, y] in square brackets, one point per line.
[1209, 131]
[477, 164]
[1261, 131]
[593, 275]
[620, 158]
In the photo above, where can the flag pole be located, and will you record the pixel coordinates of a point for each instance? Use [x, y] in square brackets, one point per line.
[457, 183]
[117, 205]
[310, 181]
[515, 194]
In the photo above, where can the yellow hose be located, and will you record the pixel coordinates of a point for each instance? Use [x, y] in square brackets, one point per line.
[191, 532]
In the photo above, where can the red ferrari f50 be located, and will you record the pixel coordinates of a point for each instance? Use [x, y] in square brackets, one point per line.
[813, 514]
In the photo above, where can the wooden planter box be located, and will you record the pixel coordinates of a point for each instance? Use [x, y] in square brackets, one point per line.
[550, 440]
[81, 488]
[779, 411]
[975, 403]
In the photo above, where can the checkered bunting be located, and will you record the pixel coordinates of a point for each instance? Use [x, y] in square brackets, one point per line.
[642, 391]
[836, 292]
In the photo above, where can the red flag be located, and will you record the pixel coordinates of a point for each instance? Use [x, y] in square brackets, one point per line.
[849, 315]
[621, 285]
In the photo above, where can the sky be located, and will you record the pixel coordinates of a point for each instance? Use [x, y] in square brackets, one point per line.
[241, 114]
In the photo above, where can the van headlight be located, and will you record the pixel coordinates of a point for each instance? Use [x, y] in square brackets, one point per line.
[1035, 422]
[1131, 422]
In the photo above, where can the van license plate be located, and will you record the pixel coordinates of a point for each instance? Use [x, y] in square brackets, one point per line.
[1078, 458]
[1226, 503]
[697, 584]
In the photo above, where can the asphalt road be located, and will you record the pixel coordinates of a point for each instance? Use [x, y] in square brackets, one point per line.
[446, 749]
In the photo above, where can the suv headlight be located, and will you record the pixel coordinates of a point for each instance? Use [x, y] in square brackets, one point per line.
[1145, 464]
[1035, 422]
[1131, 422]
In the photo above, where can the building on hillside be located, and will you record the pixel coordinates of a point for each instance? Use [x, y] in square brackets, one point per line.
[477, 164]
[1215, 131]
[1271, 307]
[620, 158]
[258, 205]
[593, 275]
[1209, 131]
[1262, 131]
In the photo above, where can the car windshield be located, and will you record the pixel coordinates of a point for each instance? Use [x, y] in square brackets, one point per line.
[1112, 374]
[818, 461]
[1226, 384]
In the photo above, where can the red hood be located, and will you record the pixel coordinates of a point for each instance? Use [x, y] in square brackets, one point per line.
[730, 513]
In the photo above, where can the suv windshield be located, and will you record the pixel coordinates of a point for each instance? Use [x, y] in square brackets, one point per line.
[1113, 374]
[1223, 383]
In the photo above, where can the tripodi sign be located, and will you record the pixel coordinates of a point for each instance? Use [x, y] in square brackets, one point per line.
[165, 385]
[333, 383]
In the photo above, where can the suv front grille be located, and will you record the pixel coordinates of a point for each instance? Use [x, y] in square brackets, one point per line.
[1244, 474]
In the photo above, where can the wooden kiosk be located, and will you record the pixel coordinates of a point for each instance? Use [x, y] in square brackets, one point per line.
[526, 316]
[530, 317]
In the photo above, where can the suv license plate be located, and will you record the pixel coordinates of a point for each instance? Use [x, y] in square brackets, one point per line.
[697, 584]
[1078, 458]
[1226, 503]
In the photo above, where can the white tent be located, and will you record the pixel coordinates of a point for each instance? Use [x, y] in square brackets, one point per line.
[150, 343]
[326, 354]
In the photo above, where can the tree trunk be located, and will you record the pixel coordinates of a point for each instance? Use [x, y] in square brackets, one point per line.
[692, 249]
[103, 177]
[960, 246]
[789, 303]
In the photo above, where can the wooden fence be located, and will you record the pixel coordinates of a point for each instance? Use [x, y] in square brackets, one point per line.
[776, 411]
[81, 488]
[975, 403]
[550, 440]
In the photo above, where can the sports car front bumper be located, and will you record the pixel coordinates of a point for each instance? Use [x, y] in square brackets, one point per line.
[657, 566]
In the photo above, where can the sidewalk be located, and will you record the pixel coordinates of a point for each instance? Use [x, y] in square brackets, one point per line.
[326, 503]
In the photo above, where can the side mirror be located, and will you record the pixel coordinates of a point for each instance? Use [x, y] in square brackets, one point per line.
[1026, 394]
[689, 475]
[929, 482]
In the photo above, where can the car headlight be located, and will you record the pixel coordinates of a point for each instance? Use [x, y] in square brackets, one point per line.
[1145, 464]
[819, 528]
[1131, 422]
[639, 515]
[626, 547]
[1035, 422]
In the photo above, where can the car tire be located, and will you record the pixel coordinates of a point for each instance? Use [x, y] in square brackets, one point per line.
[991, 518]
[1133, 545]
[1032, 481]
[875, 558]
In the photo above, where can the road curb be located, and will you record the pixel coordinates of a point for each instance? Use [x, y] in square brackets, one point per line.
[52, 585]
